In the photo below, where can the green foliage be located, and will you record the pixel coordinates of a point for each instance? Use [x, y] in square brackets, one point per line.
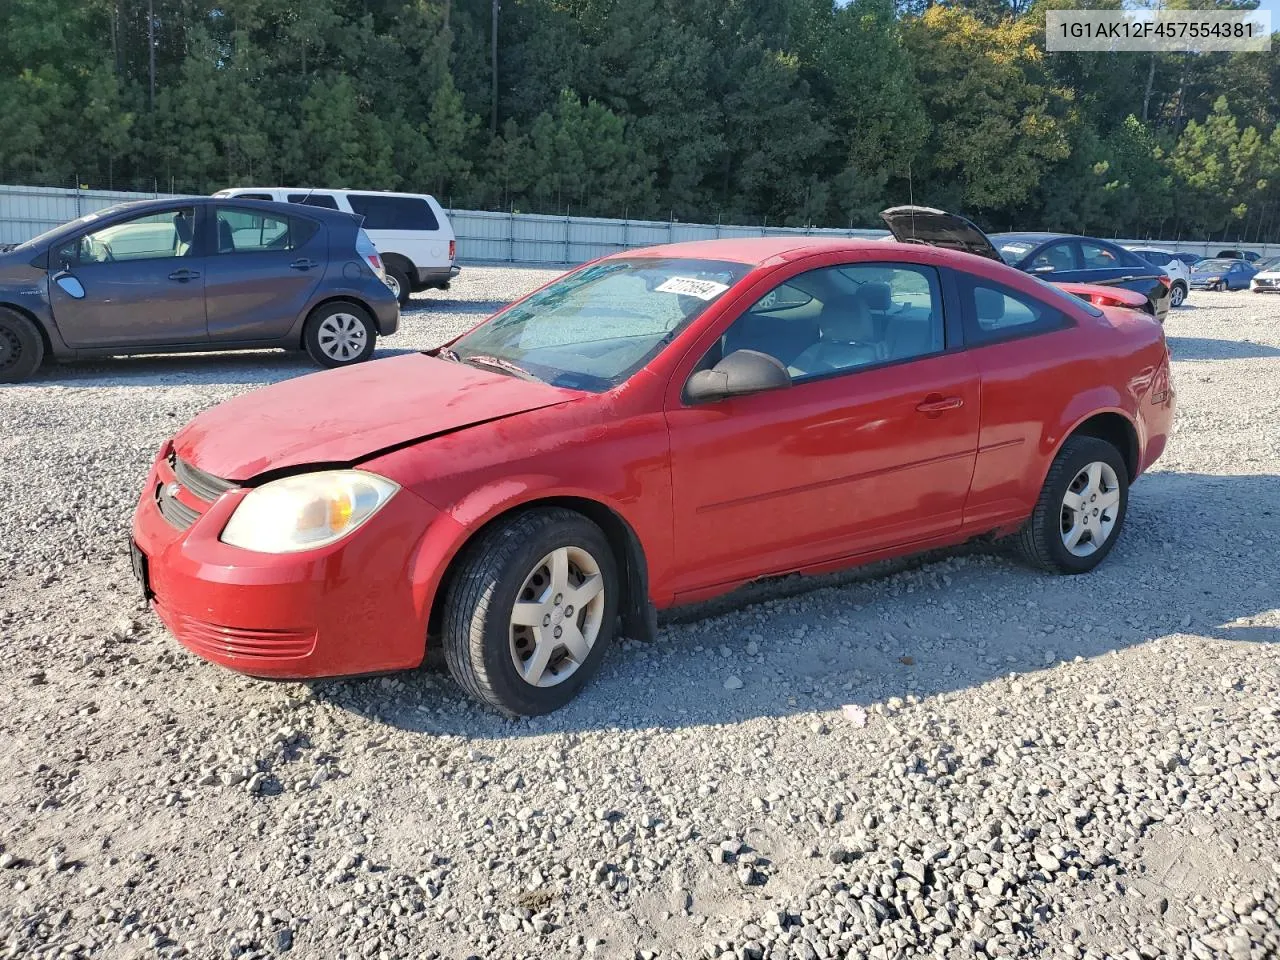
[790, 111]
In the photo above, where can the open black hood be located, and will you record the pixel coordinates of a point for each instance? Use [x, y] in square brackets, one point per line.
[937, 228]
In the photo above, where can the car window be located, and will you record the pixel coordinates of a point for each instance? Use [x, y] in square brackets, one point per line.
[842, 319]
[1095, 256]
[154, 236]
[314, 200]
[1053, 258]
[995, 312]
[782, 297]
[1158, 257]
[250, 231]
[252, 196]
[382, 212]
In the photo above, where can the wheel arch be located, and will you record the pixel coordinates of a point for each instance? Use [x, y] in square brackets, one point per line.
[638, 615]
[301, 331]
[401, 262]
[1116, 428]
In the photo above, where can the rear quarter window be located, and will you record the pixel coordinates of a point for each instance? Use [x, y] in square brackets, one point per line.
[393, 213]
[314, 200]
[993, 312]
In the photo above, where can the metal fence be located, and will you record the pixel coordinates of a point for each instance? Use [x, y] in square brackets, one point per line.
[489, 237]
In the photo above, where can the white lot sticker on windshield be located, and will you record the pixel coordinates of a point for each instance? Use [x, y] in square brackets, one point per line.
[693, 287]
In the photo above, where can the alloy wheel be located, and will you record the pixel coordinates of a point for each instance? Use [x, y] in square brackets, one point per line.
[557, 616]
[1089, 508]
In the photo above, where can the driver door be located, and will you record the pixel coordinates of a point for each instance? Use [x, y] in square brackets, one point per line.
[134, 282]
[872, 446]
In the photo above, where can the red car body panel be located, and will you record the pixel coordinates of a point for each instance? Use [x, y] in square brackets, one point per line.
[356, 410]
[853, 468]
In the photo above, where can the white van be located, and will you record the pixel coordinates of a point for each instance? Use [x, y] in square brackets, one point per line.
[410, 230]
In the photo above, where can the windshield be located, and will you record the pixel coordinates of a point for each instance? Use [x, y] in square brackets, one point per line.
[1212, 266]
[1014, 250]
[70, 226]
[1269, 265]
[594, 328]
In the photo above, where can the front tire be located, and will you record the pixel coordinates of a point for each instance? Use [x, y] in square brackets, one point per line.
[339, 335]
[21, 347]
[1081, 508]
[531, 611]
[1178, 295]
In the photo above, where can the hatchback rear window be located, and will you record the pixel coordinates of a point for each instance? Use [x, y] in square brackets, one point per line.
[382, 212]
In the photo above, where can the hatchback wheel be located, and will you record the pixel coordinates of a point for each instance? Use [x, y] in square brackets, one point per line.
[531, 611]
[21, 347]
[1081, 508]
[339, 334]
[1178, 295]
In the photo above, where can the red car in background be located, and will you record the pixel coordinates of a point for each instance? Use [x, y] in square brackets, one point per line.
[654, 428]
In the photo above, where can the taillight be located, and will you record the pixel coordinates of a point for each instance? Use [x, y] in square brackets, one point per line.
[1166, 280]
[453, 249]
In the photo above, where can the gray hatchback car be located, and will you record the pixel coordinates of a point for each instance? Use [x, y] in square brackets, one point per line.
[166, 276]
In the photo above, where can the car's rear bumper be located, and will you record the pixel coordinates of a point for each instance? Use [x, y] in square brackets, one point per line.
[437, 276]
[342, 610]
[387, 316]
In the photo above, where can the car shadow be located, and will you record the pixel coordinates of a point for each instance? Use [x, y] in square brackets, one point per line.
[250, 368]
[921, 626]
[1205, 348]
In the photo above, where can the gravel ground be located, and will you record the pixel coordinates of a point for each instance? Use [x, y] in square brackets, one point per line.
[953, 758]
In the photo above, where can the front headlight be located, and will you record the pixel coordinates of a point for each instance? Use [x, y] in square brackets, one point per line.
[307, 511]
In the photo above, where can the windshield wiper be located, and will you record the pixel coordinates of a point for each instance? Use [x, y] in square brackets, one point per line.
[448, 354]
[502, 366]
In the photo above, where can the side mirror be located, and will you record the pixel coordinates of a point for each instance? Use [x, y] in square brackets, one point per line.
[740, 373]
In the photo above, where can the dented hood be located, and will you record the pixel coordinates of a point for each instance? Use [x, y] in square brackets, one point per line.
[348, 415]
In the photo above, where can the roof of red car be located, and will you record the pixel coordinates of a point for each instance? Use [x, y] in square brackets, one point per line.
[752, 250]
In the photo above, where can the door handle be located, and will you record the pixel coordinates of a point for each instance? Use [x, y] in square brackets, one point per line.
[303, 264]
[182, 276]
[936, 404]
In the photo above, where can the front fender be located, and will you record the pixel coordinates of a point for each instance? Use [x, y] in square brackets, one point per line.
[461, 521]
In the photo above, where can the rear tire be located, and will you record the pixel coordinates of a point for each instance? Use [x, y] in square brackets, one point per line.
[400, 285]
[1178, 295]
[1084, 497]
[21, 347]
[559, 647]
[339, 335]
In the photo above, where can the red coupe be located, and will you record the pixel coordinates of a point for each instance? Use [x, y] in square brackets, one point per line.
[654, 428]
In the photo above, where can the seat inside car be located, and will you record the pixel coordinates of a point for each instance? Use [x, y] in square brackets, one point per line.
[226, 240]
[879, 301]
[848, 339]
